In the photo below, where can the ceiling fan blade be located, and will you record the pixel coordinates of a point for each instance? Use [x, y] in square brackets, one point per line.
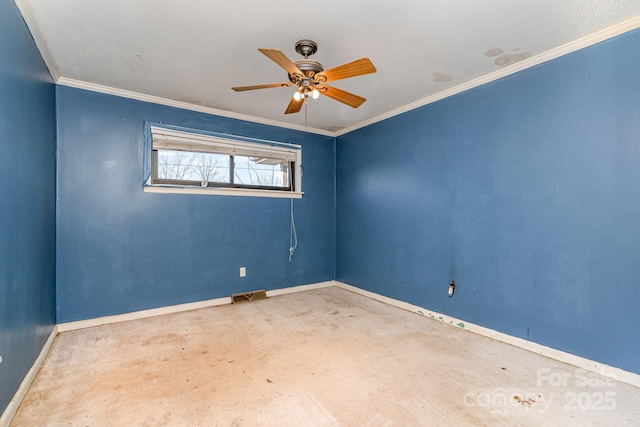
[294, 106]
[342, 96]
[358, 67]
[243, 88]
[281, 59]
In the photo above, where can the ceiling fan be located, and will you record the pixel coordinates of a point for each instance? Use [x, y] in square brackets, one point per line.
[310, 77]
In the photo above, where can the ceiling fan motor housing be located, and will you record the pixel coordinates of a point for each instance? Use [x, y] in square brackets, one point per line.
[308, 66]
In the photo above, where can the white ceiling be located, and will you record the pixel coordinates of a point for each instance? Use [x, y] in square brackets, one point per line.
[194, 51]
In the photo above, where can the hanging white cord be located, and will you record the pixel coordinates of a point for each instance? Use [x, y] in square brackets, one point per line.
[293, 240]
[293, 236]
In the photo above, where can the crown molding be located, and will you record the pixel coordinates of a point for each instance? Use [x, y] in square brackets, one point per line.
[559, 51]
[23, 6]
[578, 44]
[94, 87]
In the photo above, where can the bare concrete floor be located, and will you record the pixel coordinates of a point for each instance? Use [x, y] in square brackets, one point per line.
[318, 358]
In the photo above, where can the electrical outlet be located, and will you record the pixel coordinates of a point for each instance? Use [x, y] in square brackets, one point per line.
[243, 271]
[0, 359]
[452, 288]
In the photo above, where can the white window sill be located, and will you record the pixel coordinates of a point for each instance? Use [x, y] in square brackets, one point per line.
[216, 191]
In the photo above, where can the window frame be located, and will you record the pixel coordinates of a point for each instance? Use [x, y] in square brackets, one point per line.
[158, 137]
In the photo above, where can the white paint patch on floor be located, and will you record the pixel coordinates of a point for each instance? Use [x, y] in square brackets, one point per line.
[323, 357]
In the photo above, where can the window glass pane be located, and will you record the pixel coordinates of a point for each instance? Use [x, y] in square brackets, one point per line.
[191, 166]
[181, 160]
[262, 171]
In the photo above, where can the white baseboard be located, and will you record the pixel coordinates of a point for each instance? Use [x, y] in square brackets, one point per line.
[142, 314]
[300, 288]
[561, 356]
[99, 321]
[13, 406]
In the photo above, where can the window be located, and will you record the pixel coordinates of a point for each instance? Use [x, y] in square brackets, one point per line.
[189, 161]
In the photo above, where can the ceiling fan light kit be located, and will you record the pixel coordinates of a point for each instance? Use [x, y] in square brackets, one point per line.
[310, 76]
[306, 93]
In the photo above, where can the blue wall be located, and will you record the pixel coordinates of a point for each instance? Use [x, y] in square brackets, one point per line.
[121, 250]
[27, 202]
[525, 190]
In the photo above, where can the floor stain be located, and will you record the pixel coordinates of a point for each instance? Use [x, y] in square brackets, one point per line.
[302, 313]
[524, 401]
